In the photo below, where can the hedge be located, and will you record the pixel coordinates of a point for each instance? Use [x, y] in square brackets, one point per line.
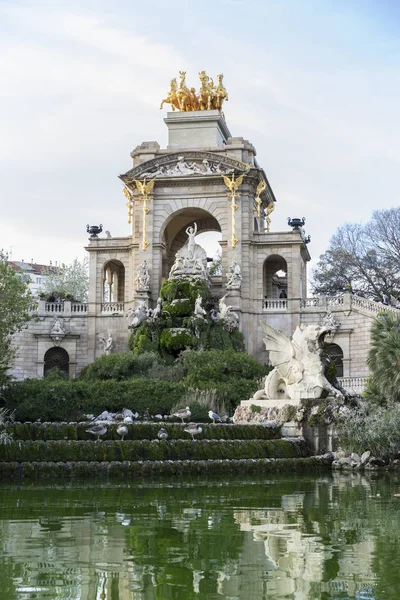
[139, 431]
[76, 451]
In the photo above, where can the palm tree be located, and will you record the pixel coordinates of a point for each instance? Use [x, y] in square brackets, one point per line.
[384, 359]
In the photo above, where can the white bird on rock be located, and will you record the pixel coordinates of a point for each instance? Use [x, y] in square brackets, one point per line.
[163, 435]
[193, 430]
[98, 430]
[122, 430]
[214, 416]
[184, 413]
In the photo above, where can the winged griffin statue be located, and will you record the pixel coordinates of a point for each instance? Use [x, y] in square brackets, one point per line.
[298, 372]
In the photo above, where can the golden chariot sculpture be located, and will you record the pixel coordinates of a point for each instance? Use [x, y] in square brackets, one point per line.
[209, 96]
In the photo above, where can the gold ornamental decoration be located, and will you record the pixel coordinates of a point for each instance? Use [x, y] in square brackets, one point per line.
[267, 212]
[145, 188]
[260, 188]
[209, 96]
[233, 185]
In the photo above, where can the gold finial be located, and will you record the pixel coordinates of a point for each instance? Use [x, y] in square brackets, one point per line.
[233, 185]
[209, 97]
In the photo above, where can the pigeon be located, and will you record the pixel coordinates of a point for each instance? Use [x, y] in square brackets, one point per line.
[122, 430]
[158, 416]
[214, 416]
[184, 413]
[98, 430]
[193, 430]
[162, 434]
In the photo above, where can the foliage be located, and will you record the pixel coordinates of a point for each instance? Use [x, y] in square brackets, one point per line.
[173, 341]
[377, 431]
[219, 366]
[384, 359]
[362, 258]
[14, 303]
[67, 281]
[52, 399]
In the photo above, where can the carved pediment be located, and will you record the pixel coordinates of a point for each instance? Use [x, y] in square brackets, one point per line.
[185, 164]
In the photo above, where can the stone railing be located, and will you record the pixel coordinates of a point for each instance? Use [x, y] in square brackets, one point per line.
[112, 308]
[371, 305]
[33, 307]
[278, 304]
[54, 307]
[79, 307]
[323, 302]
[354, 385]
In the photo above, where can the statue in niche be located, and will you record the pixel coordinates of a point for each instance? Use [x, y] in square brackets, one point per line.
[198, 309]
[299, 370]
[107, 344]
[191, 259]
[234, 277]
[142, 278]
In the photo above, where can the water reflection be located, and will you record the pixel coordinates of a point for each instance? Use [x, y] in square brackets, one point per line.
[331, 537]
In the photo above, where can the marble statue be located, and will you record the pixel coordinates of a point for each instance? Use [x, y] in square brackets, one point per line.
[142, 280]
[157, 312]
[198, 309]
[234, 277]
[299, 371]
[191, 259]
[225, 314]
[107, 344]
[137, 315]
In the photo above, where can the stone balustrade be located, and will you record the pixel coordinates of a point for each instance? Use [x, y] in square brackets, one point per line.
[278, 304]
[65, 309]
[354, 385]
[112, 308]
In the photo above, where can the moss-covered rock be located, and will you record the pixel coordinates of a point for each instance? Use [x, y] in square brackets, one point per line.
[176, 339]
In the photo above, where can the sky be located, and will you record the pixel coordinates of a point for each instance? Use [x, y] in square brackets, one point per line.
[314, 85]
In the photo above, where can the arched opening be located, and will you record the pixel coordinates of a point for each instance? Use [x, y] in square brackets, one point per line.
[174, 236]
[335, 354]
[113, 281]
[56, 358]
[275, 278]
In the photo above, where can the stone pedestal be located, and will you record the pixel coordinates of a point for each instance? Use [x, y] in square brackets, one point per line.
[197, 129]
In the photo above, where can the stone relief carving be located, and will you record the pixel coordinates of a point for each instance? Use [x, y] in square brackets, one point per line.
[329, 321]
[191, 259]
[142, 281]
[137, 315]
[57, 331]
[299, 371]
[234, 277]
[183, 168]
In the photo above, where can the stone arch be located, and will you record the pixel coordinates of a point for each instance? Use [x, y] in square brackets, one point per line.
[335, 353]
[113, 281]
[275, 277]
[56, 358]
[173, 232]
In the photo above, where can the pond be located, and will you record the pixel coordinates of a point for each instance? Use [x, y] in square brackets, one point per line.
[324, 537]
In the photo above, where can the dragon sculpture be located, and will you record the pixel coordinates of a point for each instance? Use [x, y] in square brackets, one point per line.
[299, 371]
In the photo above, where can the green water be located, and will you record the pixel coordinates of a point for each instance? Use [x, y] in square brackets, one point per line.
[328, 537]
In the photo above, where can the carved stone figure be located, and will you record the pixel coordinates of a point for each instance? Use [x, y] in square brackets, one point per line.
[57, 331]
[234, 277]
[137, 315]
[198, 309]
[157, 312]
[107, 345]
[191, 259]
[225, 314]
[298, 372]
[142, 280]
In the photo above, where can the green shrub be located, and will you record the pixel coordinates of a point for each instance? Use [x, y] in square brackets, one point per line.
[68, 400]
[179, 308]
[174, 340]
[219, 366]
[184, 288]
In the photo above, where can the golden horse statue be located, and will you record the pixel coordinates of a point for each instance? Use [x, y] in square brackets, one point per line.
[220, 93]
[183, 93]
[172, 97]
[207, 91]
